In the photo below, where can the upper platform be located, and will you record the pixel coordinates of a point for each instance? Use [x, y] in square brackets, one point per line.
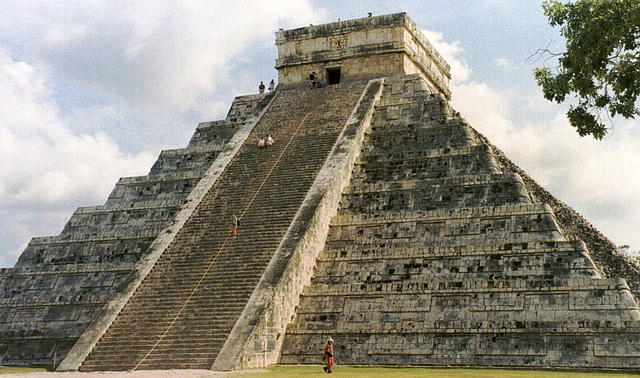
[367, 47]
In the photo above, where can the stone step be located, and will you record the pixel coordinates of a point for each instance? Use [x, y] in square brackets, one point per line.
[178, 353]
[79, 296]
[34, 271]
[179, 345]
[389, 264]
[192, 159]
[488, 268]
[229, 271]
[453, 134]
[493, 180]
[199, 318]
[424, 165]
[307, 340]
[195, 335]
[64, 251]
[442, 193]
[231, 277]
[509, 224]
[158, 179]
[166, 297]
[159, 187]
[381, 157]
[114, 235]
[233, 299]
[434, 285]
[160, 364]
[105, 221]
[150, 203]
[435, 341]
[353, 253]
[537, 210]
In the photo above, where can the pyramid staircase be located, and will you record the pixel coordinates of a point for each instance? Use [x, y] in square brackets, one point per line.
[439, 257]
[183, 311]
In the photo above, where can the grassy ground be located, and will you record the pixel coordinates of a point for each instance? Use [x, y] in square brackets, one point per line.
[16, 370]
[366, 372]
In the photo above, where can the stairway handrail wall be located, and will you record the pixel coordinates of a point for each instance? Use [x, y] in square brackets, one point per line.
[273, 302]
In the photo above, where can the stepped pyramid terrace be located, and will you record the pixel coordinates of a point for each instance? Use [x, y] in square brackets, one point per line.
[379, 218]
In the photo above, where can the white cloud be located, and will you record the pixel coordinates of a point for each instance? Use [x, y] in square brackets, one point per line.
[43, 164]
[161, 63]
[163, 56]
[86, 86]
[503, 62]
[62, 36]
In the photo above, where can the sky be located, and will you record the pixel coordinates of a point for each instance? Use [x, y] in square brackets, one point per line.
[93, 90]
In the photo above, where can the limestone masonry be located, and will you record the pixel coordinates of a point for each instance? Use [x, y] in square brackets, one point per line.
[380, 217]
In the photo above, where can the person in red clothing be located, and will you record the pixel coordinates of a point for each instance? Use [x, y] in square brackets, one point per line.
[328, 355]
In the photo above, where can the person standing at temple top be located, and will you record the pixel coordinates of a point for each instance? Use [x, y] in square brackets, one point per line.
[261, 87]
[272, 86]
[312, 79]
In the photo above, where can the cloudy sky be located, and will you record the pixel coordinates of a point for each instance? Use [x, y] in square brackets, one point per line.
[91, 91]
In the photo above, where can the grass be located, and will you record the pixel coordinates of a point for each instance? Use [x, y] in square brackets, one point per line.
[411, 372]
[19, 370]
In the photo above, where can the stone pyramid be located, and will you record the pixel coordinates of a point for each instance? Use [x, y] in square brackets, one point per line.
[380, 217]
[441, 255]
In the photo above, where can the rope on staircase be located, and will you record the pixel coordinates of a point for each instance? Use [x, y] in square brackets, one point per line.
[206, 272]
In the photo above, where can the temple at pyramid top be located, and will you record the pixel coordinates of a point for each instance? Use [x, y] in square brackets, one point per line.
[366, 47]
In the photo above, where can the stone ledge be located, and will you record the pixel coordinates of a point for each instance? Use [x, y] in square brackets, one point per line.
[62, 269]
[557, 285]
[159, 177]
[96, 236]
[132, 206]
[445, 214]
[458, 251]
[379, 156]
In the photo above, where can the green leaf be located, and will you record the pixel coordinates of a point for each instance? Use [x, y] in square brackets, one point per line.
[600, 67]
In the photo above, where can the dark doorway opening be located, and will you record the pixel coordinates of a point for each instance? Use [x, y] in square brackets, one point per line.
[333, 76]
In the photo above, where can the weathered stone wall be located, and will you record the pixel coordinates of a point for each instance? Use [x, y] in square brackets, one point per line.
[440, 256]
[369, 47]
[603, 251]
[350, 68]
